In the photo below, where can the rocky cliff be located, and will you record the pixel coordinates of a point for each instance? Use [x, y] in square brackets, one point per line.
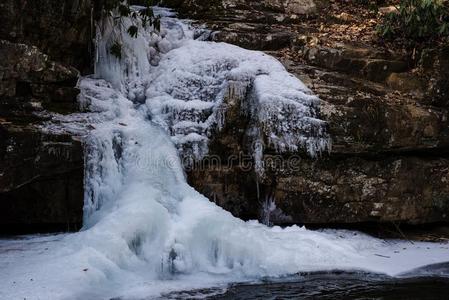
[386, 108]
[43, 45]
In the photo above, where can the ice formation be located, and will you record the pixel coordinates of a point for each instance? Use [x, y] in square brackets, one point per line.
[187, 91]
[185, 82]
[146, 230]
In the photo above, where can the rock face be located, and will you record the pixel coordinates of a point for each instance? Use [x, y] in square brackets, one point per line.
[59, 28]
[267, 11]
[389, 126]
[41, 174]
[249, 23]
[31, 81]
[41, 180]
[400, 188]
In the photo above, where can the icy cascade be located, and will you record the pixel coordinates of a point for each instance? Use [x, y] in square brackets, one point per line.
[187, 85]
[144, 224]
[187, 92]
[131, 160]
[129, 74]
[138, 201]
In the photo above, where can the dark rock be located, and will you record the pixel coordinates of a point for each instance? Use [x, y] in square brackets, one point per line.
[369, 63]
[406, 189]
[367, 118]
[30, 79]
[41, 180]
[267, 11]
[59, 28]
[388, 164]
[251, 38]
[435, 64]
[389, 161]
[392, 189]
[231, 187]
[41, 174]
[405, 82]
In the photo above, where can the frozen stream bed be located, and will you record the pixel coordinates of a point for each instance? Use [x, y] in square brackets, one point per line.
[48, 267]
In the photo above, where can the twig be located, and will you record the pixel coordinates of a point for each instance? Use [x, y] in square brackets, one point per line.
[382, 255]
[401, 233]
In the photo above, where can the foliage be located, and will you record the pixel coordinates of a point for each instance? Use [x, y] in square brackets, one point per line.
[133, 31]
[116, 50]
[119, 9]
[417, 20]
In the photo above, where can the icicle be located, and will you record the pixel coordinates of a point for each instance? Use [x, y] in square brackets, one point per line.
[267, 208]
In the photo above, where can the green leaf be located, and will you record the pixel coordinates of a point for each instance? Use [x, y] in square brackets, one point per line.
[116, 50]
[132, 31]
[124, 10]
[157, 24]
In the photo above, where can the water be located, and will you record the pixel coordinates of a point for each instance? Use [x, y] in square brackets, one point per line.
[330, 286]
[146, 231]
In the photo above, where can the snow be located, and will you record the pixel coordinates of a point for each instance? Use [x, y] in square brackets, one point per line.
[102, 263]
[192, 82]
[146, 231]
[182, 79]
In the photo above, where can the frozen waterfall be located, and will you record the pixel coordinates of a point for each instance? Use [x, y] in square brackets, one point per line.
[146, 230]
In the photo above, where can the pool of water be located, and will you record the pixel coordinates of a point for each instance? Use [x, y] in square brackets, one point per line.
[335, 285]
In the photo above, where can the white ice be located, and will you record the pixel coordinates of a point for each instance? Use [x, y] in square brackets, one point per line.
[146, 231]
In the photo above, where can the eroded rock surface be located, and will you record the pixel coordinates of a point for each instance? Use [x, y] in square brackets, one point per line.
[266, 10]
[41, 180]
[61, 29]
[387, 114]
[43, 45]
